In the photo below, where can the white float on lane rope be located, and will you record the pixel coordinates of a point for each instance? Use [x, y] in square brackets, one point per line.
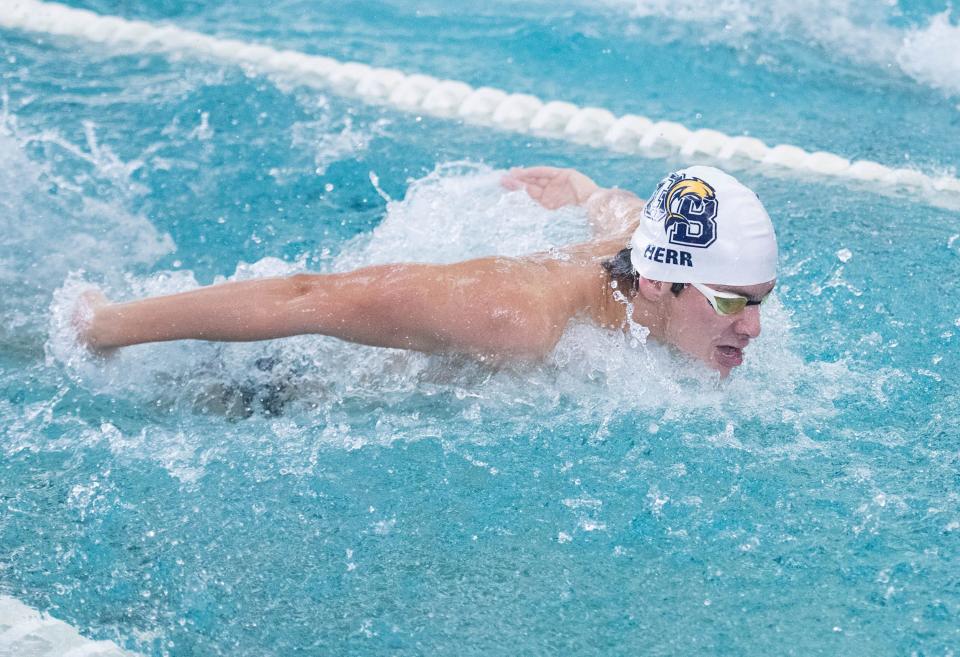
[425, 94]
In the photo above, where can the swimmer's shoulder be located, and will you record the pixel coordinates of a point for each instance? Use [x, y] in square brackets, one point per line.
[594, 251]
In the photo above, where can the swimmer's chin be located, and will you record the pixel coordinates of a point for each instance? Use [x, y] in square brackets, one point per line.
[723, 370]
[713, 367]
[82, 320]
[695, 368]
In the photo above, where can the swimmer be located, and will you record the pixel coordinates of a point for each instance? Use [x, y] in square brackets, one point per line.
[692, 265]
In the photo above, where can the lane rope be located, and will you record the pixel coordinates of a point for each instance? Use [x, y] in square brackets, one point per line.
[452, 99]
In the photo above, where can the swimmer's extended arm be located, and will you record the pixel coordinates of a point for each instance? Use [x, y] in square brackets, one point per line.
[611, 211]
[495, 307]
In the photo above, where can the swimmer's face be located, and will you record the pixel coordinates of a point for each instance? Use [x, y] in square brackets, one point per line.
[693, 326]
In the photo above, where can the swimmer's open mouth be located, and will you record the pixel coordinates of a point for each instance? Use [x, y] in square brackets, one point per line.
[729, 356]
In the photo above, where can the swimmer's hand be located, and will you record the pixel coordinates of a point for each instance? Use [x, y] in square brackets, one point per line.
[613, 213]
[84, 316]
[551, 187]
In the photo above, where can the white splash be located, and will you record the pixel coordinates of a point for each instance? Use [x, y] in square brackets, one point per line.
[862, 33]
[53, 224]
[459, 211]
[931, 54]
[333, 139]
[361, 395]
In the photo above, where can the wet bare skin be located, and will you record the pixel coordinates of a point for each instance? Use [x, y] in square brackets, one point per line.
[685, 320]
[497, 308]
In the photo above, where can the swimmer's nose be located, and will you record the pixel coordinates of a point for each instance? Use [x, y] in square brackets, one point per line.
[748, 323]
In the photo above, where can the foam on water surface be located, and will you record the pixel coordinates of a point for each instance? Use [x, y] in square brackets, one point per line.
[270, 498]
[457, 212]
[25, 632]
[52, 219]
[873, 34]
[485, 106]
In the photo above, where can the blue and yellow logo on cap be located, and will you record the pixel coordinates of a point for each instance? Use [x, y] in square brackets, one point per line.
[688, 209]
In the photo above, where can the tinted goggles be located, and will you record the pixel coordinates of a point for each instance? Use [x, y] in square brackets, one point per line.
[726, 303]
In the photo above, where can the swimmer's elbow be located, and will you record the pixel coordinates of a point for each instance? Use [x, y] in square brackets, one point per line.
[300, 285]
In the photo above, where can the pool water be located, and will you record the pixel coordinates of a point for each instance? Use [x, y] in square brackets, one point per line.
[310, 497]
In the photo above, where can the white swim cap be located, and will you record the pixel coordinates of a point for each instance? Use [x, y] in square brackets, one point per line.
[703, 226]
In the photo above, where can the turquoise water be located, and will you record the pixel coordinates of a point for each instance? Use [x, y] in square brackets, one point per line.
[308, 497]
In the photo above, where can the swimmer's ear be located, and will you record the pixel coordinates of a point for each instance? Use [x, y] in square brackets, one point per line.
[652, 290]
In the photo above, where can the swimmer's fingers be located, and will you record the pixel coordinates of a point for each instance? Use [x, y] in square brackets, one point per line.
[550, 186]
[539, 176]
[539, 171]
[538, 191]
[83, 317]
[511, 183]
[534, 185]
[553, 195]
